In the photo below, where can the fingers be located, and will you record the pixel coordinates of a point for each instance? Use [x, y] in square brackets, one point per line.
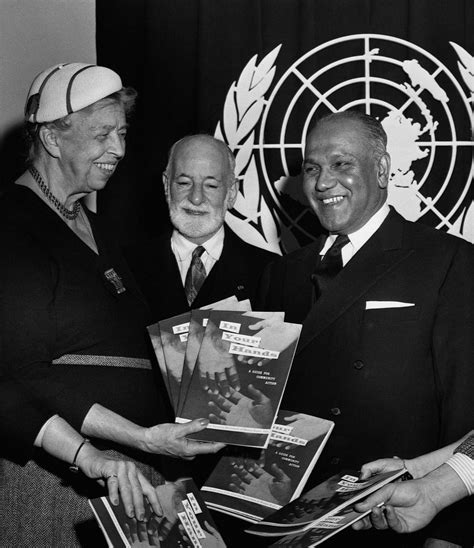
[243, 474]
[165, 527]
[136, 491]
[221, 379]
[296, 417]
[377, 517]
[112, 488]
[362, 524]
[197, 425]
[277, 472]
[150, 493]
[201, 448]
[121, 481]
[220, 402]
[233, 377]
[204, 379]
[216, 419]
[259, 325]
[371, 468]
[393, 520]
[257, 396]
[380, 465]
[233, 486]
[375, 499]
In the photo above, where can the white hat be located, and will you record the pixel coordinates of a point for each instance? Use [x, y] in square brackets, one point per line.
[66, 88]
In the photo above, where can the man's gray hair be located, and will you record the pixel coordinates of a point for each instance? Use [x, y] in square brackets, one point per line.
[374, 130]
[224, 147]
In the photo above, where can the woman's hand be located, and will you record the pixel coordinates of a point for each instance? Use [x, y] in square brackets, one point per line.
[170, 440]
[122, 478]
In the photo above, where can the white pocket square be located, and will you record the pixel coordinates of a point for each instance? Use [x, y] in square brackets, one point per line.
[374, 305]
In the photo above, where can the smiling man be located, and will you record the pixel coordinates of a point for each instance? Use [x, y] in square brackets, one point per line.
[200, 262]
[386, 305]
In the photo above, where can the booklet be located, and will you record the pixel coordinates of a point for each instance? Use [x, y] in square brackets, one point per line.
[169, 340]
[325, 529]
[174, 336]
[197, 326]
[155, 336]
[240, 375]
[252, 483]
[186, 521]
[322, 503]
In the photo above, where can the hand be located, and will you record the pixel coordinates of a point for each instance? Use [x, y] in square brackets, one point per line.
[213, 539]
[381, 465]
[272, 318]
[438, 543]
[217, 370]
[408, 507]
[137, 534]
[170, 440]
[120, 476]
[253, 480]
[239, 410]
[306, 427]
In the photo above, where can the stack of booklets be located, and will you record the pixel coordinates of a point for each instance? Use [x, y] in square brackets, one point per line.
[186, 521]
[323, 511]
[252, 483]
[228, 364]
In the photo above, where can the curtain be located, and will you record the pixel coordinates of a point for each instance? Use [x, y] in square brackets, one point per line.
[183, 55]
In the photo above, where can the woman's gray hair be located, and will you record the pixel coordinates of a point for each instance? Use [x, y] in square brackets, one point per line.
[125, 97]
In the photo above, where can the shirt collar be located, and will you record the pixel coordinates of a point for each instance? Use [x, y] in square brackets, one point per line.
[358, 238]
[183, 248]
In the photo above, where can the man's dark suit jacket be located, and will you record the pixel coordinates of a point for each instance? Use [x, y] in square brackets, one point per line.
[156, 270]
[396, 381]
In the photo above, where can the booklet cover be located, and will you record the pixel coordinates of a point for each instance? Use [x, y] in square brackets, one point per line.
[325, 529]
[155, 336]
[240, 375]
[321, 503]
[174, 336]
[252, 483]
[185, 522]
[197, 326]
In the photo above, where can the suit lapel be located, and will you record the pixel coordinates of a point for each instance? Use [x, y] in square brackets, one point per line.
[378, 256]
[169, 271]
[218, 280]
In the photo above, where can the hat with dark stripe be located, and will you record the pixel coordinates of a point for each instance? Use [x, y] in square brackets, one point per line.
[66, 88]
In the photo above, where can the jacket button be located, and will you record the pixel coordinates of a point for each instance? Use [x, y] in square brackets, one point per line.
[358, 364]
[240, 287]
[335, 461]
[335, 411]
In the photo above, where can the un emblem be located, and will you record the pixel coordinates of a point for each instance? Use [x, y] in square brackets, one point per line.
[425, 110]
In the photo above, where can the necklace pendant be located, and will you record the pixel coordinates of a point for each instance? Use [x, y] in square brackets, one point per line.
[113, 278]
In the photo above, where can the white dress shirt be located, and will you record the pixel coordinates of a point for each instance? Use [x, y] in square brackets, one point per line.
[183, 251]
[358, 238]
[462, 463]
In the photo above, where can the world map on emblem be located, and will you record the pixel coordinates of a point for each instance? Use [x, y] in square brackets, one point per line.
[424, 108]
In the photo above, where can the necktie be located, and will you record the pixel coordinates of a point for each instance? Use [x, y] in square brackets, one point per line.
[195, 275]
[329, 265]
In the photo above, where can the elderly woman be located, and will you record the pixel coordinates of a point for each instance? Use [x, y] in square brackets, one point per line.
[72, 318]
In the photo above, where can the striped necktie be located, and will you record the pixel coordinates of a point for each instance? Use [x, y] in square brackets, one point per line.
[195, 275]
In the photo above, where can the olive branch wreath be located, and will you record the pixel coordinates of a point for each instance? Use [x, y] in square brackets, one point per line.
[250, 217]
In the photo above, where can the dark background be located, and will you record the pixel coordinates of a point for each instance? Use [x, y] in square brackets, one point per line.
[182, 56]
